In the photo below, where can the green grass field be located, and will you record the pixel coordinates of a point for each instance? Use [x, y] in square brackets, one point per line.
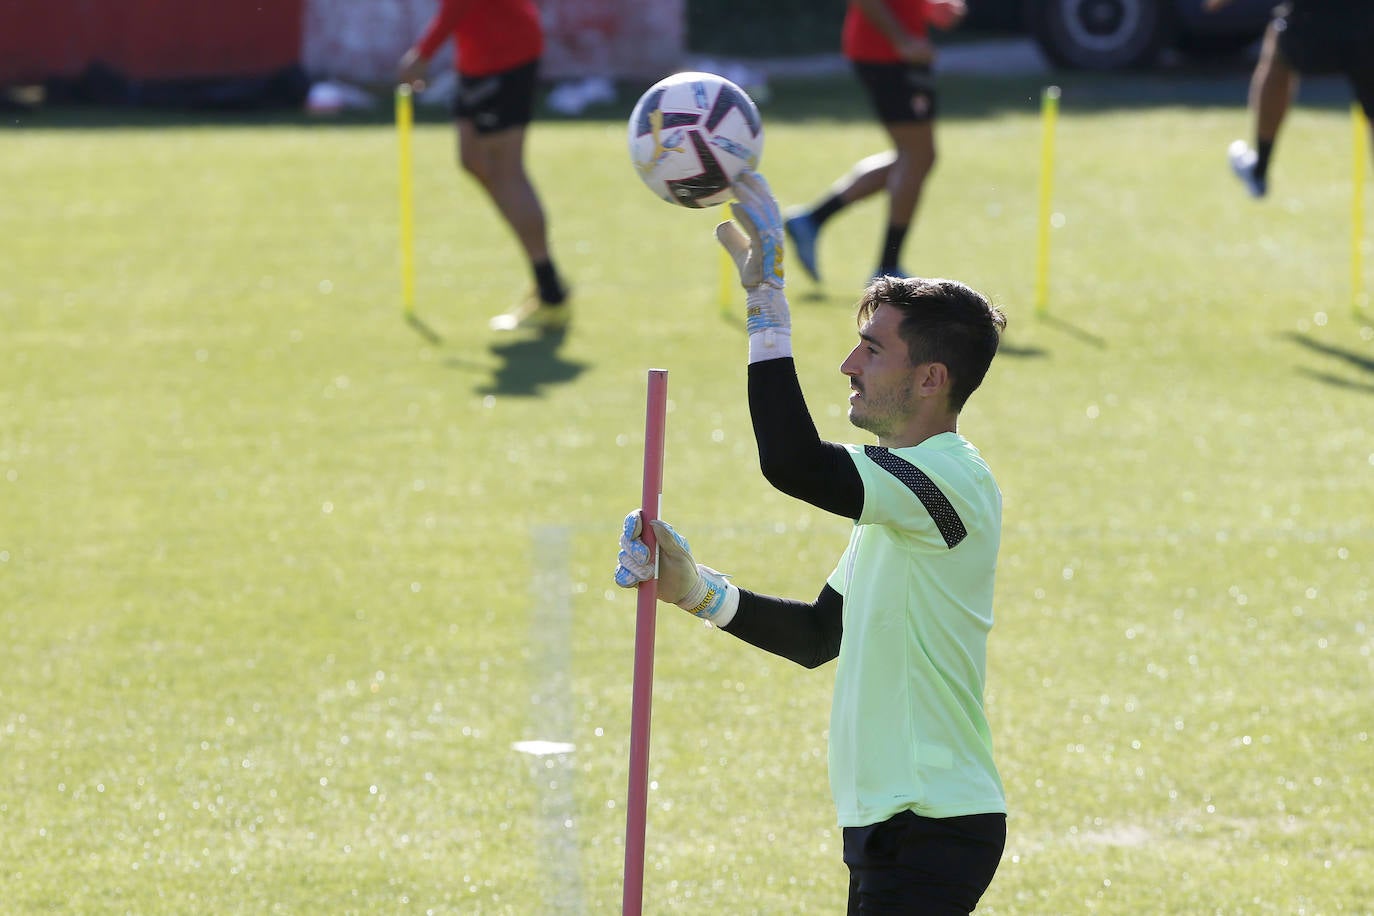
[282, 583]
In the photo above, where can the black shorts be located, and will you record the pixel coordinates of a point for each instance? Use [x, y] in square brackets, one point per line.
[1330, 39]
[497, 101]
[899, 93]
[914, 864]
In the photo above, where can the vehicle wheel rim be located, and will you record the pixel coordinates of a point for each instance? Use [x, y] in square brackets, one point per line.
[1102, 25]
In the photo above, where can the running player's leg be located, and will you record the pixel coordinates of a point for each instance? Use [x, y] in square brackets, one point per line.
[915, 158]
[903, 98]
[1272, 87]
[1273, 84]
[867, 177]
[497, 161]
[908, 109]
[493, 113]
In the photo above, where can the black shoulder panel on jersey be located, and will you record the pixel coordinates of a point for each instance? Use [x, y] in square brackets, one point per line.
[946, 519]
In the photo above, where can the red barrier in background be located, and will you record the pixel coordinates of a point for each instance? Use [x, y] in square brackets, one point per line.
[147, 39]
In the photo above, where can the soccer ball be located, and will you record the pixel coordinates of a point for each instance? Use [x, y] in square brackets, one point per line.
[691, 134]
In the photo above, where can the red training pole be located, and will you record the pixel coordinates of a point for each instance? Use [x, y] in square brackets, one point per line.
[636, 815]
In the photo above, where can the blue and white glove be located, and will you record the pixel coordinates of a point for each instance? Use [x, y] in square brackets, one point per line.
[702, 591]
[757, 251]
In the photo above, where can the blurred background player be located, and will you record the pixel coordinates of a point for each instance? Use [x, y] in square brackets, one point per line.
[1305, 37]
[908, 607]
[887, 43]
[497, 46]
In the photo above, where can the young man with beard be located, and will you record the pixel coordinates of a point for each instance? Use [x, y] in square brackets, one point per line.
[908, 606]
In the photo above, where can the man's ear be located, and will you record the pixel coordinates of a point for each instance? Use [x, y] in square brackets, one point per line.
[932, 379]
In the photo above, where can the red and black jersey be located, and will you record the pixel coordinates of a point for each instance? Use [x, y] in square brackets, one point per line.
[489, 36]
[862, 41]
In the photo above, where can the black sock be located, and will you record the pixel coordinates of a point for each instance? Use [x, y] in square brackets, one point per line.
[892, 249]
[1262, 150]
[826, 209]
[551, 289]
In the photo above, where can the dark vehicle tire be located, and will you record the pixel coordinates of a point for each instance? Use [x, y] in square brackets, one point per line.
[1100, 34]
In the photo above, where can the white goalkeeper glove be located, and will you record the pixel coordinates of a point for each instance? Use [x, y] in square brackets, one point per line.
[757, 251]
[700, 589]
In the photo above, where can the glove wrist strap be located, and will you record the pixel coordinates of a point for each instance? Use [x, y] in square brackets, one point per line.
[712, 598]
[768, 322]
[770, 343]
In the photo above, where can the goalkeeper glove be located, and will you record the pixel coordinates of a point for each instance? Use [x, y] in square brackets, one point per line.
[701, 590]
[757, 251]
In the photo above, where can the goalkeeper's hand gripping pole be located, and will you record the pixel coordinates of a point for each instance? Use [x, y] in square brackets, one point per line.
[636, 815]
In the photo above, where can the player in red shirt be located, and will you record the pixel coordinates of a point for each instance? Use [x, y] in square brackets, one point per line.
[887, 43]
[497, 48]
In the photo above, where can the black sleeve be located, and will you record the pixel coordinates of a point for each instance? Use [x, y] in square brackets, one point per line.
[792, 455]
[808, 634]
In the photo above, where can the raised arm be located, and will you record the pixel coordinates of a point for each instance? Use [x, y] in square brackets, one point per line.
[792, 455]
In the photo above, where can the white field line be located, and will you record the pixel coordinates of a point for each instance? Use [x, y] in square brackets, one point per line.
[551, 704]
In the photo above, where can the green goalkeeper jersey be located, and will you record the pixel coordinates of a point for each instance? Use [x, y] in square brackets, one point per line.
[907, 725]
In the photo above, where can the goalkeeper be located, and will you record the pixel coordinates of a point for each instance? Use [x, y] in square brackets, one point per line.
[908, 606]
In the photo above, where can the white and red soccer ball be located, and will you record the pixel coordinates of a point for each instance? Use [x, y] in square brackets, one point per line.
[691, 134]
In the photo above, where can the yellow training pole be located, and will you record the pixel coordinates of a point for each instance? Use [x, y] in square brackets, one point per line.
[404, 120]
[1049, 111]
[1360, 155]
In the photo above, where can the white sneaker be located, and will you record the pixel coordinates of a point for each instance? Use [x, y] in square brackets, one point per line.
[1243, 160]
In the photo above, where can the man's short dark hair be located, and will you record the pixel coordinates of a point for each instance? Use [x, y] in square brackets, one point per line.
[943, 321]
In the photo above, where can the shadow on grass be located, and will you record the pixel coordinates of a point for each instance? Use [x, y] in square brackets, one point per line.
[1017, 352]
[1074, 331]
[1336, 381]
[1359, 361]
[530, 365]
[816, 295]
[418, 325]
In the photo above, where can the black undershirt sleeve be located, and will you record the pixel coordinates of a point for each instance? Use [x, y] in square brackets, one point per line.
[808, 634]
[792, 455]
[796, 461]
